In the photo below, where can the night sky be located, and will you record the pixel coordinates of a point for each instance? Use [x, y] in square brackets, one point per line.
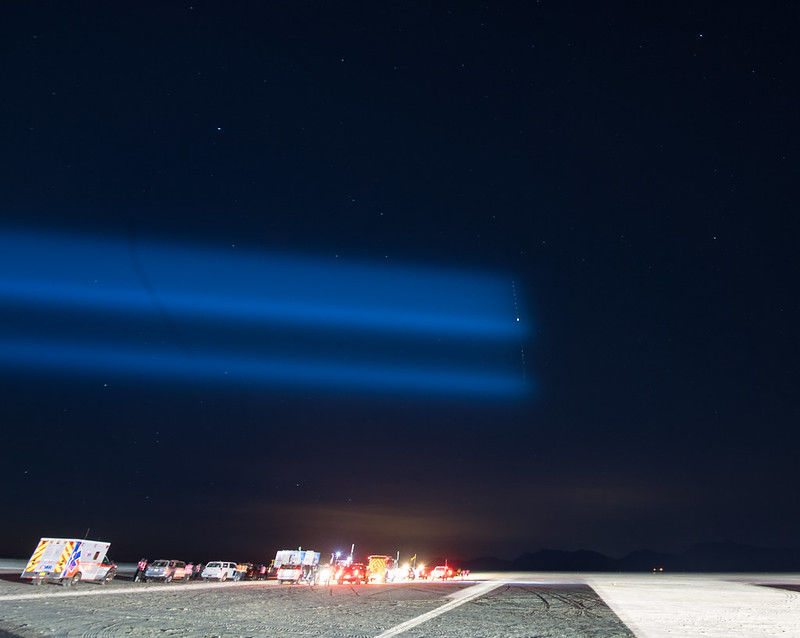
[626, 174]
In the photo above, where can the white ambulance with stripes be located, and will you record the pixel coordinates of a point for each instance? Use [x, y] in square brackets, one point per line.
[69, 561]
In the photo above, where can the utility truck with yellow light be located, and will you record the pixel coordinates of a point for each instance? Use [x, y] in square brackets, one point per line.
[379, 568]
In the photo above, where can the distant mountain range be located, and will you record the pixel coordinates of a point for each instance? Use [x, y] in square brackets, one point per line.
[703, 557]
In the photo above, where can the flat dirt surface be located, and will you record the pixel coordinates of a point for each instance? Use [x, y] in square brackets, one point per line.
[521, 611]
[514, 605]
[701, 605]
[258, 609]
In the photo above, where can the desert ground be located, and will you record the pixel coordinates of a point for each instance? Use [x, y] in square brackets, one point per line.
[488, 605]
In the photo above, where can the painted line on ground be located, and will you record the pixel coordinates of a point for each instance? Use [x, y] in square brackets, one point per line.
[458, 598]
[102, 591]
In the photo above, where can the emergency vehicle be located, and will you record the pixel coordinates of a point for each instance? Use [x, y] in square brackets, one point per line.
[379, 568]
[296, 565]
[69, 561]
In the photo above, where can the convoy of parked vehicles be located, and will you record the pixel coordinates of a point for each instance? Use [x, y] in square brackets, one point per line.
[69, 560]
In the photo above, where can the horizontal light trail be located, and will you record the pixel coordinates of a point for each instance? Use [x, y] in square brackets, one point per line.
[86, 304]
[193, 335]
[277, 372]
[109, 273]
[249, 311]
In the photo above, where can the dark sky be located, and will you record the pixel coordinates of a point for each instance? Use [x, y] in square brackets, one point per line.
[633, 169]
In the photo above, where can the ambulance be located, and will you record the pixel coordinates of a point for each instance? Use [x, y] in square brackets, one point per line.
[69, 561]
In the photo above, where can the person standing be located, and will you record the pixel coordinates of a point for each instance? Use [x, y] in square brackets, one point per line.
[141, 567]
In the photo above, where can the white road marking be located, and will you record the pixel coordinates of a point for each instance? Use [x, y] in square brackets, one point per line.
[458, 598]
[711, 608]
[100, 590]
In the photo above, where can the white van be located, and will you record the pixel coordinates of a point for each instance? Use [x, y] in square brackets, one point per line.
[219, 570]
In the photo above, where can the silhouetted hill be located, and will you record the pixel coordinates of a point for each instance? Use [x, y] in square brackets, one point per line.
[703, 557]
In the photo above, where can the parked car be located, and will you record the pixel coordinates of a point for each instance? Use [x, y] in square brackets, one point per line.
[257, 572]
[352, 573]
[166, 570]
[219, 570]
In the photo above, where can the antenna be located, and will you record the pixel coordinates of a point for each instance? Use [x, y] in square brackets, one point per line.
[86, 535]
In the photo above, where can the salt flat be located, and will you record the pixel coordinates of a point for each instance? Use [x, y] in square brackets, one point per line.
[518, 605]
[697, 607]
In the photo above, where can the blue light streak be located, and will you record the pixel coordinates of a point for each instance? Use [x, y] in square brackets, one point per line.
[133, 277]
[275, 372]
[100, 303]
